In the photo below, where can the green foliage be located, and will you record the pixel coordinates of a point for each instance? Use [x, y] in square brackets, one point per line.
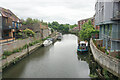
[105, 73]
[102, 49]
[46, 38]
[30, 21]
[87, 29]
[29, 32]
[59, 27]
[72, 26]
[4, 57]
[20, 34]
[52, 30]
[7, 53]
[93, 76]
[118, 56]
[106, 52]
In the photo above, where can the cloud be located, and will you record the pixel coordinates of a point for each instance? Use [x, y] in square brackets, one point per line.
[63, 11]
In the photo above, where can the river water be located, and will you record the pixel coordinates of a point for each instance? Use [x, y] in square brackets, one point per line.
[59, 60]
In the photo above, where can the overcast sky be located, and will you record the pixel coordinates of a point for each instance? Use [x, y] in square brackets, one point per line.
[63, 11]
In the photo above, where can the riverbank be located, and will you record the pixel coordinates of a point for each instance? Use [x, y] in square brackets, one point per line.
[107, 62]
[16, 57]
[59, 60]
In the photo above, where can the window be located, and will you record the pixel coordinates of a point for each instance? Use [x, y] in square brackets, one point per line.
[16, 25]
[13, 24]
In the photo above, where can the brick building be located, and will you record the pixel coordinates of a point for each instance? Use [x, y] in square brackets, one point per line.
[81, 22]
[9, 23]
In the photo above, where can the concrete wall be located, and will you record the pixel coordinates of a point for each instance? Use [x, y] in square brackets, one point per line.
[17, 44]
[110, 63]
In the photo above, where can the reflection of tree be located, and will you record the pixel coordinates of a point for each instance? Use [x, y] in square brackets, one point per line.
[83, 57]
[89, 59]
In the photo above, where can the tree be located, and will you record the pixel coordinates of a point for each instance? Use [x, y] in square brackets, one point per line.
[87, 29]
[28, 32]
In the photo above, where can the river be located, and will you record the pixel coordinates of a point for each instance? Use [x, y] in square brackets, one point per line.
[59, 60]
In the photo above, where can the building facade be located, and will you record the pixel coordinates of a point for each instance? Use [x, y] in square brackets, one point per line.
[108, 18]
[81, 22]
[10, 23]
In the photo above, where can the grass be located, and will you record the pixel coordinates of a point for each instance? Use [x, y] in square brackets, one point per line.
[93, 75]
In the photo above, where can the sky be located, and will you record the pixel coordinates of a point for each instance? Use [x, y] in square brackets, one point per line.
[62, 11]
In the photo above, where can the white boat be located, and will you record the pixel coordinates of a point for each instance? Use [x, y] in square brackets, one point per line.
[59, 37]
[47, 42]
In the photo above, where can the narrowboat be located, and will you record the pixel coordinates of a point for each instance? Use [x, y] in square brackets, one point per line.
[82, 46]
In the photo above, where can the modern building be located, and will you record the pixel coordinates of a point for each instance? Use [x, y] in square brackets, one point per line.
[10, 23]
[108, 18]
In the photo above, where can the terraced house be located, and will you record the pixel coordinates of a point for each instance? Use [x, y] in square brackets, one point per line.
[108, 18]
[9, 23]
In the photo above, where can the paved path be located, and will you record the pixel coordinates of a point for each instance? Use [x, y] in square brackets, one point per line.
[12, 57]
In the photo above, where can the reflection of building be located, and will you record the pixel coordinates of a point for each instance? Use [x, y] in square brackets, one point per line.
[10, 23]
[108, 18]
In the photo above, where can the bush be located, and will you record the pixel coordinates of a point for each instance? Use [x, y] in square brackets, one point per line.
[29, 32]
[46, 38]
[7, 53]
[102, 49]
[106, 52]
[25, 46]
[4, 57]
[118, 56]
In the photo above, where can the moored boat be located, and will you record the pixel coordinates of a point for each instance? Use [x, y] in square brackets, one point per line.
[82, 46]
[59, 37]
[48, 42]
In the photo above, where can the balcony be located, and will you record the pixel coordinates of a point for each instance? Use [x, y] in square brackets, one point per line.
[116, 16]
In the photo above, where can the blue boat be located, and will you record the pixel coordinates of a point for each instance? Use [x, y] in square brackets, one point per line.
[82, 46]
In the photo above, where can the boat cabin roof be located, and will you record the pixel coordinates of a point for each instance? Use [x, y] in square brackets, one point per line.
[83, 42]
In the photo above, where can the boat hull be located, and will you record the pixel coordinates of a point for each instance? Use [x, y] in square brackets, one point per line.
[82, 51]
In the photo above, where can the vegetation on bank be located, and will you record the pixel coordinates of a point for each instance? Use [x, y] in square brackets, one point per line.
[87, 30]
[64, 28]
[29, 21]
[8, 53]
